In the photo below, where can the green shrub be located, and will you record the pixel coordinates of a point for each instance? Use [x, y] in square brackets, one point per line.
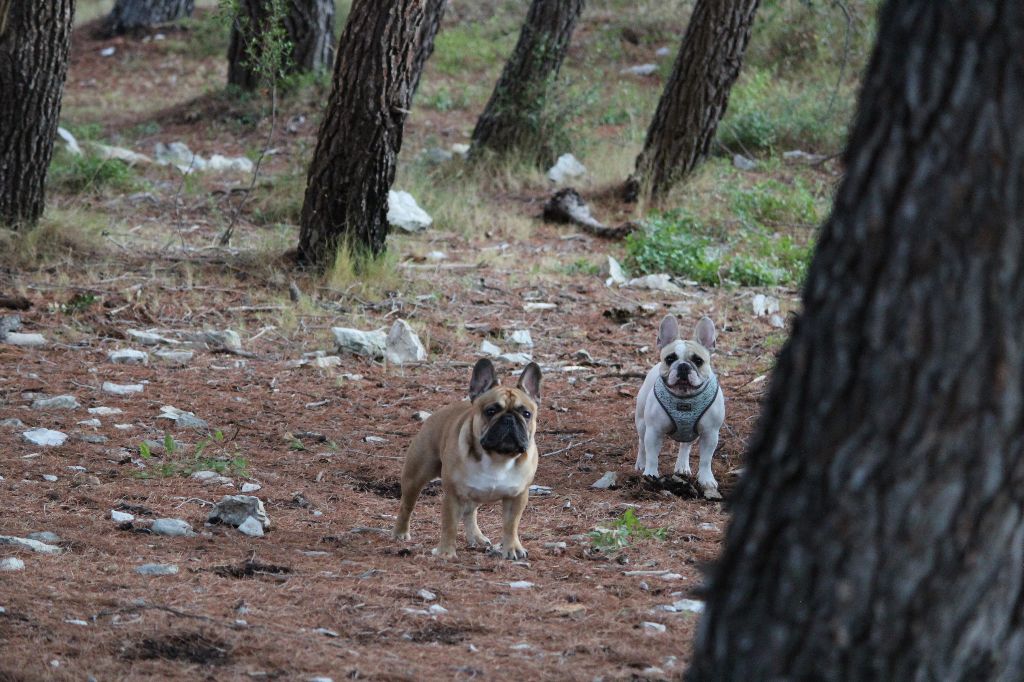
[89, 174]
[772, 202]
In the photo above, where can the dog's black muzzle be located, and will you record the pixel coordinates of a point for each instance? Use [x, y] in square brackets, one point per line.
[507, 435]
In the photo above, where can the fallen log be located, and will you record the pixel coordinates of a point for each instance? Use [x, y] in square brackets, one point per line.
[15, 302]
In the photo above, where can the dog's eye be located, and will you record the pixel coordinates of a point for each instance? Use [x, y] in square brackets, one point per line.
[491, 411]
[525, 413]
[697, 361]
[671, 359]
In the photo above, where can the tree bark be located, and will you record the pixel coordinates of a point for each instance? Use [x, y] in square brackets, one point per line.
[131, 15]
[346, 200]
[34, 42]
[878, 532]
[514, 118]
[695, 97]
[428, 32]
[308, 26]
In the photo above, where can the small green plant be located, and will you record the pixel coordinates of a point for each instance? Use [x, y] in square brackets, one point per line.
[624, 530]
[90, 174]
[222, 463]
[78, 303]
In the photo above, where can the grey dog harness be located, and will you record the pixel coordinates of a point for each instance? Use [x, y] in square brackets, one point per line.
[686, 412]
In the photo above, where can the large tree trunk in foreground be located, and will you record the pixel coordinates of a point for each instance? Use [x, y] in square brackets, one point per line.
[307, 24]
[878, 532]
[513, 119]
[695, 97]
[346, 201]
[428, 32]
[131, 15]
[34, 42]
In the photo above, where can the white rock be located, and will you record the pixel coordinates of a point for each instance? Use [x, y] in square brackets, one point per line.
[535, 306]
[607, 481]
[539, 490]
[743, 163]
[49, 478]
[615, 275]
[436, 610]
[671, 576]
[663, 52]
[639, 70]
[436, 256]
[374, 439]
[226, 339]
[764, 305]
[172, 528]
[460, 149]
[426, 595]
[104, 411]
[405, 214]
[233, 510]
[121, 517]
[122, 389]
[251, 527]
[556, 545]
[174, 358]
[488, 348]
[691, 605]
[250, 487]
[12, 423]
[108, 51]
[119, 153]
[516, 358]
[521, 337]
[566, 169]
[148, 338]
[800, 155]
[12, 563]
[70, 143]
[45, 536]
[327, 361]
[402, 345]
[325, 632]
[47, 437]
[27, 340]
[184, 419]
[520, 585]
[370, 344]
[157, 569]
[240, 164]
[707, 526]
[653, 628]
[777, 321]
[658, 282]
[95, 423]
[128, 356]
[58, 402]
[34, 545]
[178, 154]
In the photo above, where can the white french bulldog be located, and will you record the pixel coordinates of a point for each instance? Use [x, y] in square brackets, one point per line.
[681, 399]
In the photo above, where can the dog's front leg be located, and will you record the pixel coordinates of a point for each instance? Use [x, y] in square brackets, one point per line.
[450, 508]
[513, 511]
[474, 538]
[683, 459]
[706, 479]
[641, 457]
[652, 449]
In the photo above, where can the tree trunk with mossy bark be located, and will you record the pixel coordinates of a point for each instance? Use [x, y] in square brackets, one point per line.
[517, 117]
[34, 42]
[132, 15]
[695, 97]
[346, 200]
[308, 25]
[878, 530]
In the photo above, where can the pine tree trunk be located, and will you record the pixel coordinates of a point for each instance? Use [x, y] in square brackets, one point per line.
[878, 532]
[695, 97]
[428, 32]
[34, 42]
[514, 117]
[131, 15]
[308, 26]
[346, 200]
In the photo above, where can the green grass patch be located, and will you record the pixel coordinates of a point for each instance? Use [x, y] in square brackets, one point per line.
[176, 463]
[89, 174]
[624, 530]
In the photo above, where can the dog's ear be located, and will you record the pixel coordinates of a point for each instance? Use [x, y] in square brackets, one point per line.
[668, 331]
[705, 333]
[484, 378]
[529, 381]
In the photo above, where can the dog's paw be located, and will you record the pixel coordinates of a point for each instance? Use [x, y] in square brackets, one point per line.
[712, 494]
[514, 551]
[443, 552]
[401, 536]
[482, 542]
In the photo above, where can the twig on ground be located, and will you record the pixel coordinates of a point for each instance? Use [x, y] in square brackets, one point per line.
[568, 447]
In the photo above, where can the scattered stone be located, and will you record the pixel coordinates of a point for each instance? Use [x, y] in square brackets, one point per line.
[671, 576]
[516, 358]
[44, 536]
[46, 437]
[70, 143]
[521, 337]
[555, 545]
[208, 477]
[374, 439]
[240, 164]
[657, 282]
[104, 411]
[663, 52]
[460, 149]
[405, 214]
[183, 419]
[148, 338]
[233, 510]
[251, 527]
[157, 569]
[436, 156]
[402, 345]
[436, 256]
[12, 423]
[800, 155]
[369, 344]
[12, 563]
[172, 528]
[426, 595]
[488, 348]
[640, 70]
[326, 361]
[776, 321]
[9, 323]
[34, 545]
[128, 356]
[686, 605]
[743, 163]
[534, 306]
[76, 621]
[436, 610]
[108, 51]
[174, 358]
[609, 479]
[250, 487]
[121, 517]
[59, 402]
[707, 526]
[94, 423]
[326, 633]
[520, 585]
[653, 628]
[540, 490]
[583, 355]
[226, 340]
[119, 153]
[27, 340]
[81, 479]
[764, 305]
[421, 415]
[122, 389]
[566, 169]
[614, 274]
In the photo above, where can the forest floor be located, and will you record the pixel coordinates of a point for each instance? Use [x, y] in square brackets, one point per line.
[327, 591]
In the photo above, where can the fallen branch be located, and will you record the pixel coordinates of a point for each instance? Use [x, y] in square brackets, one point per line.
[567, 206]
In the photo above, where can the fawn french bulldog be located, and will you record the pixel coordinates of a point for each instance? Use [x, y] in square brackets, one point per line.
[483, 451]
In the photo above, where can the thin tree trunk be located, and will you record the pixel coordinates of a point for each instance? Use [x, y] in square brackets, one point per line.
[34, 42]
[131, 15]
[308, 25]
[878, 532]
[428, 32]
[695, 97]
[346, 200]
[514, 119]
